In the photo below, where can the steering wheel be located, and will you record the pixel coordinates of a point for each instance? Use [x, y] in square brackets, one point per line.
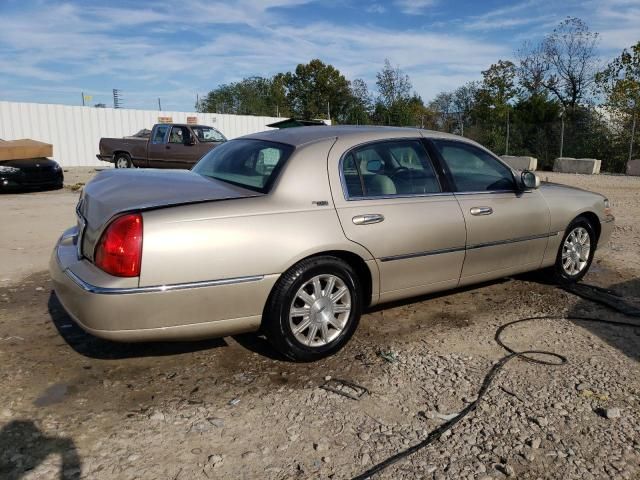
[398, 170]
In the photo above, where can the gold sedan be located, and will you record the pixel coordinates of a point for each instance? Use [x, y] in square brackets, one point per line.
[294, 232]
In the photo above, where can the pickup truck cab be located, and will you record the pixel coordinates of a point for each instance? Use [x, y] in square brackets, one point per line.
[170, 145]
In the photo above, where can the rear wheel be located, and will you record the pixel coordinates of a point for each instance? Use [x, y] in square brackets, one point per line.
[314, 309]
[576, 252]
[123, 160]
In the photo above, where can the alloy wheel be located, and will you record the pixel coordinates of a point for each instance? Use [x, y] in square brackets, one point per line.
[575, 251]
[320, 310]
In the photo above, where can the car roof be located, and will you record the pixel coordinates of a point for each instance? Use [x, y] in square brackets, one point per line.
[302, 135]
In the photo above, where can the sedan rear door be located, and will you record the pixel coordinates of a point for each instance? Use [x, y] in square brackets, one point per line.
[391, 200]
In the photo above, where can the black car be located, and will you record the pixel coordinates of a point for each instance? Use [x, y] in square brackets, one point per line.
[30, 173]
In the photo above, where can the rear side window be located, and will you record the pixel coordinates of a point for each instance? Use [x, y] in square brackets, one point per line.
[160, 134]
[252, 164]
[395, 167]
[473, 169]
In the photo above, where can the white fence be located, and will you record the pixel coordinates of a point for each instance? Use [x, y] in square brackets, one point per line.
[74, 132]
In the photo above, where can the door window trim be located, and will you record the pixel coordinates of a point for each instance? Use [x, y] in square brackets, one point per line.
[443, 182]
[449, 175]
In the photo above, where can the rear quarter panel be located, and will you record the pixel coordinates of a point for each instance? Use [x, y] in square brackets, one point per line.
[250, 236]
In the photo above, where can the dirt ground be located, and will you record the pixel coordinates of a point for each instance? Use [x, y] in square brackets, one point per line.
[73, 406]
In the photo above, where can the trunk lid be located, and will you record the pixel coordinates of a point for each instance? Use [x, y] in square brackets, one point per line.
[112, 192]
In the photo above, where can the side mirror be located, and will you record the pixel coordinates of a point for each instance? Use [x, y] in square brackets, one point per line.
[530, 180]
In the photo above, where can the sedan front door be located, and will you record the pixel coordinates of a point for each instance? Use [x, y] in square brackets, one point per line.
[391, 200]
[507, 228]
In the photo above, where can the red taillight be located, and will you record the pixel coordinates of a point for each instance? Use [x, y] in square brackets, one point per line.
[119, 251]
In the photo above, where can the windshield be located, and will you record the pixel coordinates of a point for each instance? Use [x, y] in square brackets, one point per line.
[208, 134]
[252, 164]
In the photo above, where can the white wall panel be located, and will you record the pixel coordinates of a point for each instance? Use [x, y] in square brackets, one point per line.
[75, 132]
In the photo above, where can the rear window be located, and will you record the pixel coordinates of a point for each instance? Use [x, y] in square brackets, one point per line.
[252, 164]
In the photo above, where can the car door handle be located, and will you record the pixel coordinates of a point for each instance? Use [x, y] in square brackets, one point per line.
[167, 147]
[481, 211]
[368, 219]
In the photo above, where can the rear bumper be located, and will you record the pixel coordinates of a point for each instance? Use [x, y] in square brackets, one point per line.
[170, 312]
[105, 158]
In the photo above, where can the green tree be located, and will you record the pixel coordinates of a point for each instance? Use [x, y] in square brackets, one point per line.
[395, 104]
[361, 104]
[492, 110]
[620, 82]
[315, 88]
[250, 96]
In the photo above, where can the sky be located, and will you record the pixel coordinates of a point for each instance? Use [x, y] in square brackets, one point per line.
[52, 51]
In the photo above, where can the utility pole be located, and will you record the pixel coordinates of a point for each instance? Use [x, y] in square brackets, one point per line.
[506, 150]
[328, 112]
[159, 104]
[561, 133]
[116, 98]
[82, 98]
[633, 132]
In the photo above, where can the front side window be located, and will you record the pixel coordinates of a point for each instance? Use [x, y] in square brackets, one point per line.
[473, 169]
[252, 164]
[396, 167]
[160, 133]
[180, 135]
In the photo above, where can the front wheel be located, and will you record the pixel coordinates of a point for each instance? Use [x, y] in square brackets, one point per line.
[576, 252]
[314, 309]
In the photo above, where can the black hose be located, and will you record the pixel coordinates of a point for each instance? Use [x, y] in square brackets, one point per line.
[597, 295]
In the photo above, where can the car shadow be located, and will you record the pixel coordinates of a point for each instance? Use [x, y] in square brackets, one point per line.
[435, 295]
[257, 343]
[624, 339]
[98, 348]
[23, 446]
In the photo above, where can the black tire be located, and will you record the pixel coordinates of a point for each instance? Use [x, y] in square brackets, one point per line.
[276, 324]
[560, 274]
[121, 160]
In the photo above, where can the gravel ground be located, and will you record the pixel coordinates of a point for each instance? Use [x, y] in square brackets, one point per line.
[231, 408]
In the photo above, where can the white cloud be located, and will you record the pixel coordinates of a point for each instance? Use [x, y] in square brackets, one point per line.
[151, 51]
[376, 8]
[414, 7]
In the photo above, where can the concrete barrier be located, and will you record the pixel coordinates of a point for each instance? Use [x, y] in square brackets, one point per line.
[520, 163]
[633, 167]
[587, 166]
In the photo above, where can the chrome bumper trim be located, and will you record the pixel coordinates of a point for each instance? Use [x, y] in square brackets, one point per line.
[87, 287]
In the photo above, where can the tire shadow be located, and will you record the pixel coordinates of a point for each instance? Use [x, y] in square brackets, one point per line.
[23, 446]
[98, 348]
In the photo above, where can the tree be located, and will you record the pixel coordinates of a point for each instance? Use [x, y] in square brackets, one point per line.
[316, 87]
[250, 96]
[620, 82]
[394, 86]
[464, 101]
[443, 106]
[564, 63]
[361, 105]
[395, 104]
